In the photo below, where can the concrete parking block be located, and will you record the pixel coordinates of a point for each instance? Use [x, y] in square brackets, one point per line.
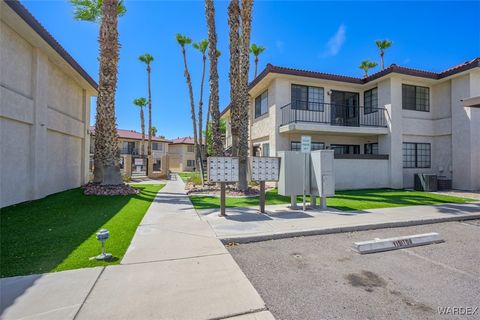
[198, 288]
[48, 296]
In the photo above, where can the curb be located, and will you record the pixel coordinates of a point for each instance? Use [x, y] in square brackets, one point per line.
[316, 232]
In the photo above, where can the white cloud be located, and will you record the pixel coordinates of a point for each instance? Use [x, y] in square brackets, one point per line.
[336, 42]
[280, 45]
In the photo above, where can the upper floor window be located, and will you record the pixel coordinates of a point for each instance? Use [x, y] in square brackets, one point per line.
[190, 163]
[415, 98]
[189, 148]
[261, 104]
[307, 98]
[157, 146]
[370, 100]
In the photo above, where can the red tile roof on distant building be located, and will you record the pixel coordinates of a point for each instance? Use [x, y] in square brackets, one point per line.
[183, 140]
[132, 134]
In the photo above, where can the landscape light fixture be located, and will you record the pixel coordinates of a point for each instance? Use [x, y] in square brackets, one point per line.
[103, 235]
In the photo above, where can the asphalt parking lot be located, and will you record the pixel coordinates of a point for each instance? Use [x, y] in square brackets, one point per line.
[320, 277]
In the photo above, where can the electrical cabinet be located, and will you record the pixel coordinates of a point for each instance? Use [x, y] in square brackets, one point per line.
[291, 179]
[322, 178]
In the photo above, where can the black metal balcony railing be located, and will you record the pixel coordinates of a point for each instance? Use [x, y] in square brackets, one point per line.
[133, 151]
[332, 114]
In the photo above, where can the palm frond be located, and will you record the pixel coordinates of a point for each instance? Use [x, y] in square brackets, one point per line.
[91, 10]
[383, 44]
[201, 46]
[147, 58]
[140, 102]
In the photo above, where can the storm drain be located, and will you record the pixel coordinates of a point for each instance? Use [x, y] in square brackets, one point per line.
[379, 245]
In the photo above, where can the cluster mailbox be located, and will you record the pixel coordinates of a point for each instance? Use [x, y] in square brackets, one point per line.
[222, 169]
[264, 168]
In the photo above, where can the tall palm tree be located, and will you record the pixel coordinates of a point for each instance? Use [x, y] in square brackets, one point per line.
[147, 59]
[183, 41]
[154, 131]
[208, 125]
[246, 17]
[382, 45]
[106, 156]
[256, 50]
[141, 102]
[367, 65]
[234, 75]
[213, 54]
[202, 47]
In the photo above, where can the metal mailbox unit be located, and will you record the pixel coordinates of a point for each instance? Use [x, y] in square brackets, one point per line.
[264, 169]
[223, 170]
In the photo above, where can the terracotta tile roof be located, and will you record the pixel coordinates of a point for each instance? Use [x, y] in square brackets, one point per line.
[23, 13]
[183, 140]
[391, 69]
[132, 134]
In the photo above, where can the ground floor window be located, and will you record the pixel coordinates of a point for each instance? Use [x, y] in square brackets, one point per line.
[190, 163]
[345, 148]
[157, 165]
[370, 148]
[297, 146]
[265, 149]
[416, 155]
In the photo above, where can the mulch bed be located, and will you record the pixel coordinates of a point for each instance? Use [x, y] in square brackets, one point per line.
[93, 189]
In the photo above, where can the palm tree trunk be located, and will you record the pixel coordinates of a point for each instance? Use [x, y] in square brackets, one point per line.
[246, 16]
[256, 65]
[234, 38]
[106, 140]
[214, 99]
[200, 110]
[142, 124]
[381, 58]
[192, 104]
[149, 148]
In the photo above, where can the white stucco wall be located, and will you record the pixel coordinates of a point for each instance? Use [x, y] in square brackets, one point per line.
[44, 114]
[361, 174]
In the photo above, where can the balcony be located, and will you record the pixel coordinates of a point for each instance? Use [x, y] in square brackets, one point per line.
[132, 151]
[302, 116]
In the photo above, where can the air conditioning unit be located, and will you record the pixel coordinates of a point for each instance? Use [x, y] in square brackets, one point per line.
[425, 182]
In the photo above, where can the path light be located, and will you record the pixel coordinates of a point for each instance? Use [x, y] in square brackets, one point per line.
[103, 235]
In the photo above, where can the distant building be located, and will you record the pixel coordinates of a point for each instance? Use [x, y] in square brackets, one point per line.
[44, 111]
[182, 155]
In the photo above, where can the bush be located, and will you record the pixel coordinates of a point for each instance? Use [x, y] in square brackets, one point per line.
[195, 178]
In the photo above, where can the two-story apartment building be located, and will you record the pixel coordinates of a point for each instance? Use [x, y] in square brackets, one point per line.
[134, 152]
[44, 110]
[182, 154]
[384, 128]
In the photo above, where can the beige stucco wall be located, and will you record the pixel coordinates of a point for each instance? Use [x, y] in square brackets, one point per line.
[44, 114]
[361, 174]
[178, 155]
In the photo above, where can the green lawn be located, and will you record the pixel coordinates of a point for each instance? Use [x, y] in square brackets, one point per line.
[58, 232]
[186, 175]
[343, 200]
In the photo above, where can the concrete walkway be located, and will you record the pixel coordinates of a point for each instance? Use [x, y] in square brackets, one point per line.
[175, 268]
[247, 224]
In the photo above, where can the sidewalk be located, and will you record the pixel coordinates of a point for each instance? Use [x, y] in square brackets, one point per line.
[175, 268]
[247, 224]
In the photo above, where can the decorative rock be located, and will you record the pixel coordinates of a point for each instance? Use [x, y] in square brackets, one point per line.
[93, 189]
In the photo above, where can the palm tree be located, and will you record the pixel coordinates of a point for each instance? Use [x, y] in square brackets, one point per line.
[234, 40]
[256, 50]
[141, 102]
[208, 124]
[154, 131]
[202, 47]
[382, 45]
[213, 102]
[182, 41]
[246, 17]
[367, 65]
[106, 157]
[147, 59]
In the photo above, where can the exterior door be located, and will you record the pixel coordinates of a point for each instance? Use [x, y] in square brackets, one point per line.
[345, 110]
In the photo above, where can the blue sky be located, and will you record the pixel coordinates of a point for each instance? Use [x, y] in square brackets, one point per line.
[323, 36]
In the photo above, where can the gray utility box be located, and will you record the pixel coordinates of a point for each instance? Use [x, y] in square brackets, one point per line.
[291, 178]
[322, 178]
[319, 173]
